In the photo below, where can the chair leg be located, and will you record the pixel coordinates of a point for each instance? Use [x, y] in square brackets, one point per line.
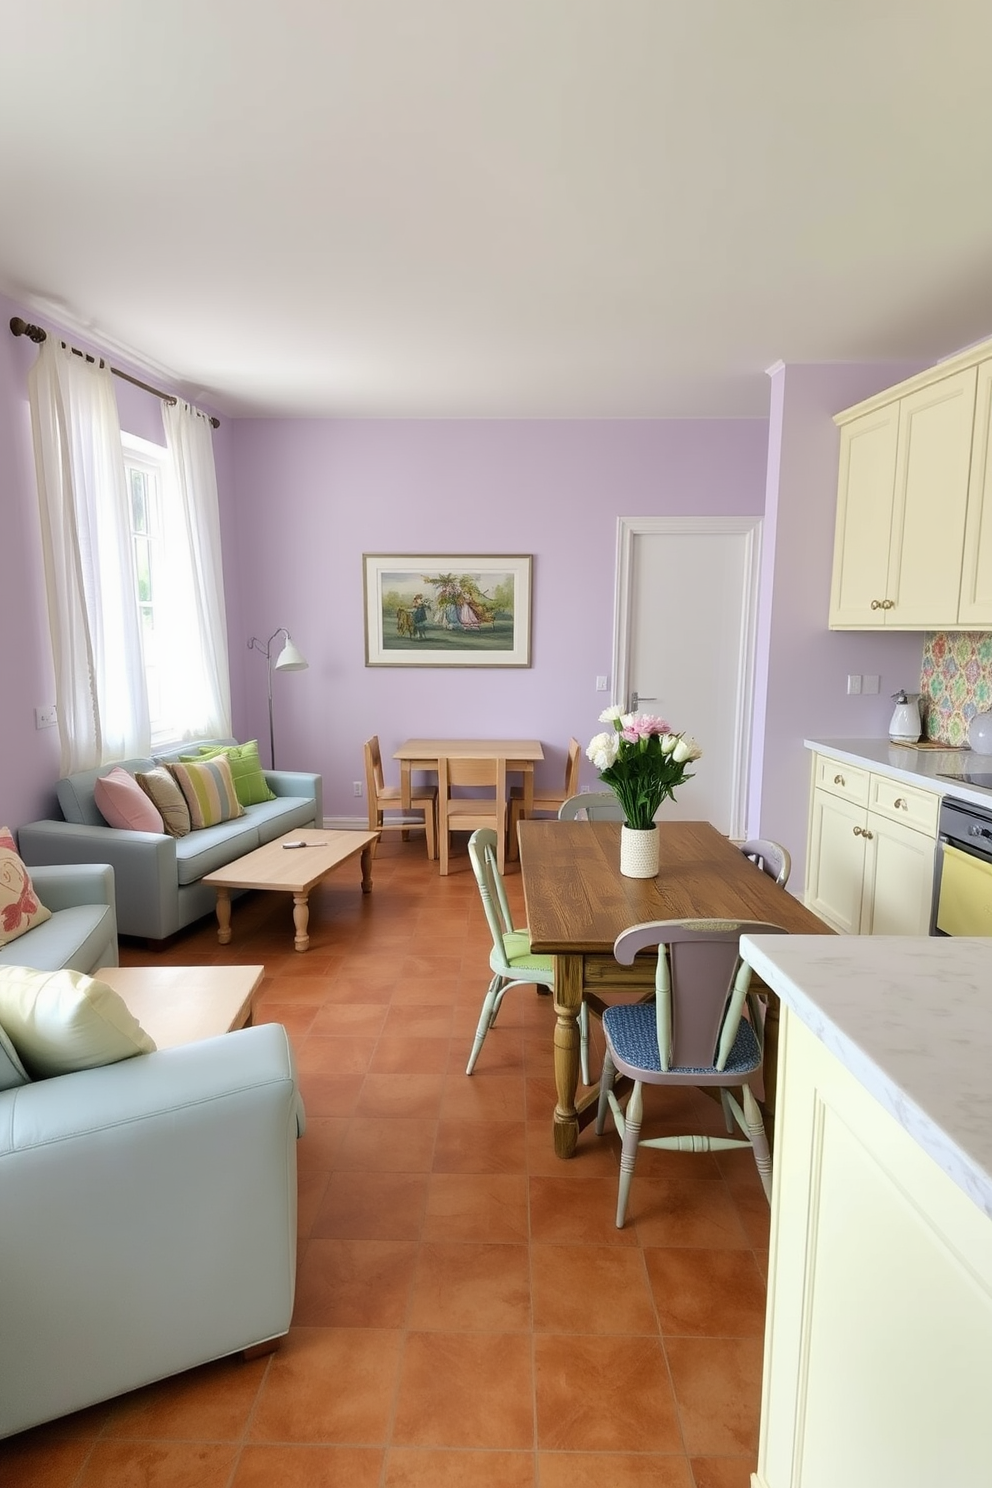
[628, 1156]
[606, 1077]
[485, 1022]
[443, 844]
[759, 1140]
[728, 1115]
[584, 1043]
[430, 831]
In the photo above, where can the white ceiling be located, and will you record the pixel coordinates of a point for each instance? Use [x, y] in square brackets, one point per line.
[546, 208]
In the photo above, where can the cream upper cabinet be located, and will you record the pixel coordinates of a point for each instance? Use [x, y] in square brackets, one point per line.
[902, 503]
[976, 580]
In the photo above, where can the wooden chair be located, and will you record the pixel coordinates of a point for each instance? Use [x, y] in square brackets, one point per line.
[546, 800]
[597, 805]
[693, 1033]
[461, 813]
[511, 962]
[382, 798]
[771, 857]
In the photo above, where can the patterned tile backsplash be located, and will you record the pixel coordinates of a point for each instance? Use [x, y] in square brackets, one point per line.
[955, 683]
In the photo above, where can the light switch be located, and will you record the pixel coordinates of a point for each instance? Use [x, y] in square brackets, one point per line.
[853, 683]
[602, 684]
[871, 684]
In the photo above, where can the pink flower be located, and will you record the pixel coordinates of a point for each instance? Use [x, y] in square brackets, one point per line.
[642, 726]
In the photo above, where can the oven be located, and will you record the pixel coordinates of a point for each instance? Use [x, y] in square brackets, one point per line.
[962, 886]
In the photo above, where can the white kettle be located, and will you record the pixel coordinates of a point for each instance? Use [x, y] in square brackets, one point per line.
[904, 725]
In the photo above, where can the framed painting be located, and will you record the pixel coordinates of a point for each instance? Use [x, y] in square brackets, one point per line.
[447, 609]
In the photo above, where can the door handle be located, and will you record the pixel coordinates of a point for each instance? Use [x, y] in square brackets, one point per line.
[636, 698]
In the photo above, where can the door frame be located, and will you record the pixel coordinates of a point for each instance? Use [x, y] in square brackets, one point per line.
[629, 529]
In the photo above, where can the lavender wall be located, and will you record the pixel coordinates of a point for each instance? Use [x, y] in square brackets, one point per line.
[803, 667]
[29, 758]
[312, 496]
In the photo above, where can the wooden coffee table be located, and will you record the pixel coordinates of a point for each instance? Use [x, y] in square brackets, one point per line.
[294, 870]
[181, 1004]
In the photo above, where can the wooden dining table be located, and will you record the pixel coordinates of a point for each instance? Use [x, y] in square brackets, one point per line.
[520, 755]
[577, 902]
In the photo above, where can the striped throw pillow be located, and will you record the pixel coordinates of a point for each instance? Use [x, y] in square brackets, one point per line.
[246, 770]
[208, 787]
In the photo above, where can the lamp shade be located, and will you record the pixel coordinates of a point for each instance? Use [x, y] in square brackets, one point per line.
[290, 659]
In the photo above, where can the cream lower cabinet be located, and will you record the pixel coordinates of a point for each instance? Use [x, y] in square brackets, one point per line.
[878, 1340]
[871, 851]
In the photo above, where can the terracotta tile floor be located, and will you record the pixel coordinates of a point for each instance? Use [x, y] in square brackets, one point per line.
[467, 1314]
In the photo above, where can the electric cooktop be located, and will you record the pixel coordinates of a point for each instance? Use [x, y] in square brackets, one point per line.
[969, 778]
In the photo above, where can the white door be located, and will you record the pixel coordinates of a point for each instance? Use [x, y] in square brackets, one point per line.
[686, 596]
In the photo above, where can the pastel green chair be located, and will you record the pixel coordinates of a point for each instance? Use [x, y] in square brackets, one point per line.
[694, 1032]
[511, 961]
[594, 805]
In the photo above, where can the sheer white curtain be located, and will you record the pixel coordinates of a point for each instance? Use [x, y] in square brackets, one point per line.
[89, 560]
[195, 676]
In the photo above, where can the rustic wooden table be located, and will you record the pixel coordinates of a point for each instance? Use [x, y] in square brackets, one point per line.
[577, 902]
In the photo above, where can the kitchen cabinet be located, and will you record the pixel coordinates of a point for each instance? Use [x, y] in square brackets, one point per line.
[976, 579]
[878, 1337]
[870, 859]
[902, 511]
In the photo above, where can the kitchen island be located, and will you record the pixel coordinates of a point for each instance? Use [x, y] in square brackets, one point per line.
[878, 1341]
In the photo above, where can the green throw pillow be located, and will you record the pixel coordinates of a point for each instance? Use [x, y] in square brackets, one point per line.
[246, 768]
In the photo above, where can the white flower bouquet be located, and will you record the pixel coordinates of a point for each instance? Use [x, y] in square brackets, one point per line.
[642, 761]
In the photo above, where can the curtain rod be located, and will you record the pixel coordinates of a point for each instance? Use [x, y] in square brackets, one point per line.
[19, 327]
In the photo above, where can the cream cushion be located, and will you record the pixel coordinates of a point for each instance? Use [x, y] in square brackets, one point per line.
[62, 1021]
[160, 787]
[20, 907]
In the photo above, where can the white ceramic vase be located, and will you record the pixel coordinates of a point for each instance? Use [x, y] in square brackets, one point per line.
[638, 852]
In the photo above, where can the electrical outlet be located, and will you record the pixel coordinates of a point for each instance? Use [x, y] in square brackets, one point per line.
[853, 684]
[356, 787]
[602, 684]
[45, 717]
[871, 684]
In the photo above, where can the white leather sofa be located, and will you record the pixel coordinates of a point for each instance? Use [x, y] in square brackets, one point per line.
[148, 1219]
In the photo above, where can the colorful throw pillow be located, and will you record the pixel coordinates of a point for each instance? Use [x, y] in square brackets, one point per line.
[122, 803]
[63, 1021]
[20, 907]
[208, 787]
[246, 770]
[160, 786]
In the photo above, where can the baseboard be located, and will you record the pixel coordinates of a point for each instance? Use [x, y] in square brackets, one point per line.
[348, 823]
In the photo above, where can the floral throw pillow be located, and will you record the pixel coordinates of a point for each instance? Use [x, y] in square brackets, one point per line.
[20, 907]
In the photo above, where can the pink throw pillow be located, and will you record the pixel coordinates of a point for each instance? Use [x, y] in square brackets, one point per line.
[122, 803]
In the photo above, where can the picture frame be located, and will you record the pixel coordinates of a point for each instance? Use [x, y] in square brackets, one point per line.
[447, 609]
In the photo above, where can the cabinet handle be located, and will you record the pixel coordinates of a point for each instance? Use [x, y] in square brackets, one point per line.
[876, 604]
[859, 831]
[868, 836]
[888, 604]
[899, 803]
[838, 780]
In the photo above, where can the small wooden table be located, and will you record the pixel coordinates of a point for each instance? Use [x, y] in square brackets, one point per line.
[423, 754]
[181, 1004]
[577, 902]
[293, 870]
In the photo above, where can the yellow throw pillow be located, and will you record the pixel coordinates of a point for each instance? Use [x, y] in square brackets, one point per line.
[20, 907]
[208, 788]
[63, 1021]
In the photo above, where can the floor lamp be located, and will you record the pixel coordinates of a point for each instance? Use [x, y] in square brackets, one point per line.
[288, 660]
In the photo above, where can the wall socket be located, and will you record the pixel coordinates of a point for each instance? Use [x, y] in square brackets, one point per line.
[356, 787]
[871, 684]
[45, 717]
[853, 684]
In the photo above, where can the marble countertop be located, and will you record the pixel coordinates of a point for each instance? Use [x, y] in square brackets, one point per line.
[911, 1018]
[914, 766]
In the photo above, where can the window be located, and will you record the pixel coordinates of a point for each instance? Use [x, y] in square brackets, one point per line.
[144, 464]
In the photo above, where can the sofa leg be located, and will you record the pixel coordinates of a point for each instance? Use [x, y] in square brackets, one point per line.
[259, 1350]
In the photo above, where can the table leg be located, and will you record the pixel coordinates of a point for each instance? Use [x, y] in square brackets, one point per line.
[224, 916]
[528, 801]
[568, 1000]
[406, 790]
[301, 919]
[367, 853]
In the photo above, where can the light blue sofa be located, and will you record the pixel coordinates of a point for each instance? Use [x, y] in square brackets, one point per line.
[82, 932]
[148, 1221]
[157, 878]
